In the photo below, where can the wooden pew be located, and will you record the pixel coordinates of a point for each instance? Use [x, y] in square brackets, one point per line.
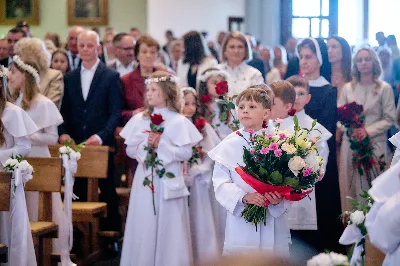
[92, 165]
[46, 179]
[5, 191]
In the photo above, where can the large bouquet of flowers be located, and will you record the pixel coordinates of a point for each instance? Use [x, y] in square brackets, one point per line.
[282, 162]
[328, 259]
[367, 163]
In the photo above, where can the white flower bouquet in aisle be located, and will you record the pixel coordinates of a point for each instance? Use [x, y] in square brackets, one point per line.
[328, 259]
[21, 171]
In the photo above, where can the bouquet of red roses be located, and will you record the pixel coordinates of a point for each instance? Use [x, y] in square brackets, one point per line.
[282, 162]
[152, 160]
[367, 163]
[226, 105]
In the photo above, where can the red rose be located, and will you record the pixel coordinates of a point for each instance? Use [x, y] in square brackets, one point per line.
[156, 119]
[206, 98]
[264, 124]
[292, 112]
[200, 123]
[221, 88]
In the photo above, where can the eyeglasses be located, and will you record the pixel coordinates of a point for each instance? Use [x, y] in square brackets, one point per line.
[127, 49]
[300, 94]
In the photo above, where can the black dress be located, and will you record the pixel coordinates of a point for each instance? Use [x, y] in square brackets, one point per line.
[323, 108]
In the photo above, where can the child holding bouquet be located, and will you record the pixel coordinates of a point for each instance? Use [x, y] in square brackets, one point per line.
[159, 138]
[234, 194]
[205, 213]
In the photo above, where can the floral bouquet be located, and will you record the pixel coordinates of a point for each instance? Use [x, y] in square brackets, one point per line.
[351, 116]
[328, 259]
[152, 160]
[227, 107]
[21, 170]
[73, 152]
[282, 162]
[356, 230]
[197, 152]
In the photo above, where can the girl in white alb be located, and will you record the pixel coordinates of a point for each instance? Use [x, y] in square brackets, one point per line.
[46, 116]
[16, 127]
[157, 229]
[198, 173]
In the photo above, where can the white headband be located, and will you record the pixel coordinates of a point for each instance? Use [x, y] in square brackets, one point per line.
[27, 68]
[156, 80]
[188, 89]
[213, 73]
[317, 49]
[182, 95]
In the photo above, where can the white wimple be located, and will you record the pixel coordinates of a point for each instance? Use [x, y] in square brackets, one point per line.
[214, 73]
[27, 68]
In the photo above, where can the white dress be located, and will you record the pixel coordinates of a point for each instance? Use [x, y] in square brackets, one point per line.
[241, 77]
[164, 238]
[183, 69]
[379, 113]
[47, 117]
[383, 219]
[15, 231]
[302, 214]
[229, 187]
[204, 211]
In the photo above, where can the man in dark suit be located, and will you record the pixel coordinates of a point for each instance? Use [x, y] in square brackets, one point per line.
[13, 36]
[91, 109]
[293, 67]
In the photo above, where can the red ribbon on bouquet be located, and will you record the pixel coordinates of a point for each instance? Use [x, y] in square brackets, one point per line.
[261, 187]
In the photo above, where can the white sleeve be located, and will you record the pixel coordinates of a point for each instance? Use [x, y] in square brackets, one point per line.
[227, 193]
[47, 136]
[168, 152]
[382, 223]
[22, 146]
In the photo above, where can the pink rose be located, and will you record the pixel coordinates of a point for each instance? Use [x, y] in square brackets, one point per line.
[273, 146]
[307, 171]
[252, 151]
[251, 131]
[279, 121]
[278, 153]
[264, 130]
[268, 136]
[264, 150]
[282, 136]
[314, 140]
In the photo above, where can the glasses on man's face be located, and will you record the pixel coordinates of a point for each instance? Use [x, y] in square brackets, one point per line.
[300, 94]
[126, 49]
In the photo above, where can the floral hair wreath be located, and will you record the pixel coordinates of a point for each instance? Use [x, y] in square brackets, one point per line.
[213, 73]
[161, 79]
[188, 89]
[3, 72]
[27, 68]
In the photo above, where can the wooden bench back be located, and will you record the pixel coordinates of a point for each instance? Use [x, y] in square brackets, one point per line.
[46, 179]
[5, 191]
[93, 162]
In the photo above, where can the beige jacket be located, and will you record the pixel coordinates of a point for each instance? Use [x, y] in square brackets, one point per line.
[52, 85]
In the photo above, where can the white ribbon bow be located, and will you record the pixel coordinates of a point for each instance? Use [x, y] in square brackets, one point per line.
[352, 235]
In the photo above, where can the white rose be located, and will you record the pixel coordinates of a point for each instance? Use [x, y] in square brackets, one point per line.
[69, 150]
[63, 150]
[312, 161]
[296, 164]
[357, 217]
[11, 162]
[289, 148]
[75, 155]
[29, 170]
[322, 259]
[339, 259]
[23, 165]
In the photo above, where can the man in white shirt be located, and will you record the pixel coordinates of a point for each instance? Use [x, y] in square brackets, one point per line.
[91, 109]
[124, 52]
[72, 47]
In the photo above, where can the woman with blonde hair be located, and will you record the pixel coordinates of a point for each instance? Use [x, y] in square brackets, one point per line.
[377, 99]
[51, 81]
[235, 52]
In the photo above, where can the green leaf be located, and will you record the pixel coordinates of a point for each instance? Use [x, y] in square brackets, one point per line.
[146, 182]
[231, 105]
[263, 171]
[276, 177]
[153, 127]
[292, 182]
[170, 175]
[314, 123]
[223, 116]
[296, 121]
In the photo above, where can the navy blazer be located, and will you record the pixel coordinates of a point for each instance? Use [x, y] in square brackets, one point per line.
[100, 113]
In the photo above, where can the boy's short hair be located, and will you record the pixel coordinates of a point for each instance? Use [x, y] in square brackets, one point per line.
[298, 81]
[284, 91]
[257, 94]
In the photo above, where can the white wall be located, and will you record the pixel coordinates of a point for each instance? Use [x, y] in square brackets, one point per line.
[182, 16]
[263, 20]
[122, 15]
